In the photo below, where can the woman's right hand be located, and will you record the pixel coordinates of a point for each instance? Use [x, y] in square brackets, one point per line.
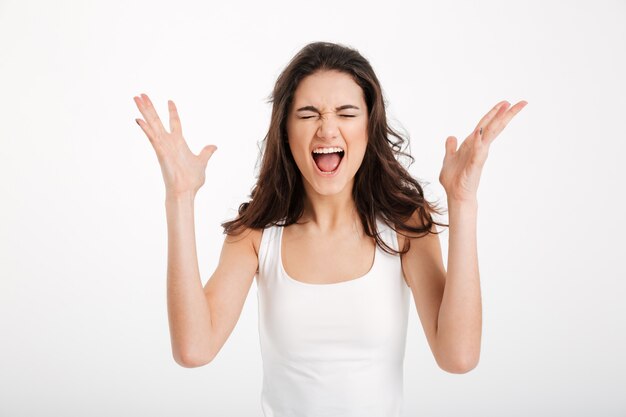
[183, 171]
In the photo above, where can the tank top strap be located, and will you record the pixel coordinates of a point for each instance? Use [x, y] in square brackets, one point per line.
[387, 234]
[268, 251]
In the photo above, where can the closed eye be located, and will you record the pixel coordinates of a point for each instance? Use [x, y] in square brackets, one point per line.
[342, 115]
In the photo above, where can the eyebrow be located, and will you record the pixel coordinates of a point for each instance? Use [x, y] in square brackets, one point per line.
[311, 108]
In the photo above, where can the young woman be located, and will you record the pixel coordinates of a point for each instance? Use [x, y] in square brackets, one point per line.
[338, 234]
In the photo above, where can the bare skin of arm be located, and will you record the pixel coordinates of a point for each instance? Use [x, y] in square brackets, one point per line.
[449, 302]
[449, 306]
[228, 287]
[200, 319]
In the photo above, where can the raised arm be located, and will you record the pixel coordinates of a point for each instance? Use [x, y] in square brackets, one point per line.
[200, 320]
[449, 301]
[188, 310]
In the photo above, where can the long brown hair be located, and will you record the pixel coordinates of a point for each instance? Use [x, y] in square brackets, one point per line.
[382, 186]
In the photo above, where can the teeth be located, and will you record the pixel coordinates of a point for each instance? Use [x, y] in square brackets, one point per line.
[327, 150]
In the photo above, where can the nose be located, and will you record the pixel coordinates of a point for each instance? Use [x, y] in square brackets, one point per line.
[328, 126]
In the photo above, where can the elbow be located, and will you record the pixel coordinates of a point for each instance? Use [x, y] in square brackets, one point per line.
[189, 360]
[461, 365]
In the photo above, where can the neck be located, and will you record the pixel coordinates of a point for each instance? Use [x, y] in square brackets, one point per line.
[330, 213]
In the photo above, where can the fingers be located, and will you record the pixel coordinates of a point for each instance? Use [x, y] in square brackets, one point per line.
[451, 143]
[512, 112]
[149, 114]
[484, 122]
[497, 119]
[146, 129]
[207, 152]
[175, 126]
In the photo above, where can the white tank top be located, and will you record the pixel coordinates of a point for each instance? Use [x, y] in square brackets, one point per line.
[332, 349]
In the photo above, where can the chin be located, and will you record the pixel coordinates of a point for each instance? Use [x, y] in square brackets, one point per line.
[327, 188]
[326, 184]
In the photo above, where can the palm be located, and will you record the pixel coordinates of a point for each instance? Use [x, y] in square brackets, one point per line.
[462, 167]
[182, 170]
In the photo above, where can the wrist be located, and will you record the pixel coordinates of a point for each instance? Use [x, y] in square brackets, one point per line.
[177, 197]
[469, 202]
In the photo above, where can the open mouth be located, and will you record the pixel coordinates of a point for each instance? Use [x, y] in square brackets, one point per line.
[328, 163]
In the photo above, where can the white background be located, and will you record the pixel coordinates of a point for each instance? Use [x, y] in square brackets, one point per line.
[83, 318]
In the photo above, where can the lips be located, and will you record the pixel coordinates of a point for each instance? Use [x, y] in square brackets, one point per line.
[327, 162]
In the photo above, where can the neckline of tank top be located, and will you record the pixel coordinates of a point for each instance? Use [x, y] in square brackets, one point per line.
[351, 281]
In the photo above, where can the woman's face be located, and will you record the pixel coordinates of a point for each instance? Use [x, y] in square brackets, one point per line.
[328, 114]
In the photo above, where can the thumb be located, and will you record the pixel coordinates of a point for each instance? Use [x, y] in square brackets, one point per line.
[450, 145]
[207, 151]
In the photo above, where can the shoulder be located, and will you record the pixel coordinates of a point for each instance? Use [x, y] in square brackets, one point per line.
[424, 257]
[414, 221]
[246, 236]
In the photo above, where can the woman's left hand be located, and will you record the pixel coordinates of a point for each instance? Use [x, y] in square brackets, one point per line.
[462, 167]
